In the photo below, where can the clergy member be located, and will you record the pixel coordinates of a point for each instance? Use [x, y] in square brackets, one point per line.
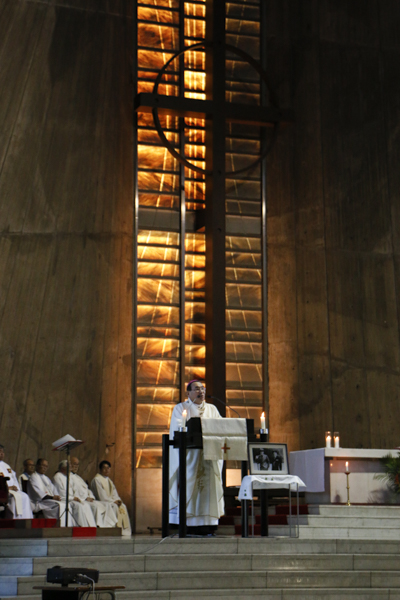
[44, 495]
[204, 491]
[18, 501]
[105, 513]
[79, 510]
[104, 490]
[29, 468]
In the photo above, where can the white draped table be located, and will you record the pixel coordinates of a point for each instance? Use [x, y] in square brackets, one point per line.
[258, 482]
[323, 471]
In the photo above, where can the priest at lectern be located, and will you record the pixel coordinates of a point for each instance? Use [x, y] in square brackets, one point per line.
[205, 494]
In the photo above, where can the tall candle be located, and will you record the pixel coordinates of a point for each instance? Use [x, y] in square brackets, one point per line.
[328, 441]
[347, 467]
[263, 421]
[184, 415]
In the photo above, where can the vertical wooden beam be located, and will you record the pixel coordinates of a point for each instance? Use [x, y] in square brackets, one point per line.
[264, 239]
[215, 203]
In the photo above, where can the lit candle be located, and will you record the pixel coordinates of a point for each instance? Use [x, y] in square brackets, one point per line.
[328, 440]
[347, 467]
[336, 438]
[263, 421]
[184, 415]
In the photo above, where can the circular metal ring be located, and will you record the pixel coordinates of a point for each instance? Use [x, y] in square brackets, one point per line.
[162, 135]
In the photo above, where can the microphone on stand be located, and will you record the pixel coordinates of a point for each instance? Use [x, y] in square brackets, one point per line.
[225, 404]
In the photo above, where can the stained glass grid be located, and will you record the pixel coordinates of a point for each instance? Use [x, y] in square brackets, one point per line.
[159, 309]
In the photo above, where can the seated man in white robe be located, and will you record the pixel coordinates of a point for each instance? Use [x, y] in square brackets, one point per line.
[29, 468]
[104, 490]
[44, 495]
[103, 512]
[79, 510]
[18, 502]
[205, 494]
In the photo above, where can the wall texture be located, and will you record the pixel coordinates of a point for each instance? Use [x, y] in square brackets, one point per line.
[333, 223]
[66, 226]
[66, 231]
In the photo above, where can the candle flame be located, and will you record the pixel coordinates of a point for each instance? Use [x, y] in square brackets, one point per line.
[262, 415]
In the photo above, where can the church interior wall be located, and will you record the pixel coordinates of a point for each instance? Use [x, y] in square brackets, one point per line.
[66, 233]
[66, 228]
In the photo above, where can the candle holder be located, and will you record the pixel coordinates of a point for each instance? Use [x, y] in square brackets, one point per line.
[184, 429]
[336, 439]
[328, 439]
[348, 488]
[262, 431]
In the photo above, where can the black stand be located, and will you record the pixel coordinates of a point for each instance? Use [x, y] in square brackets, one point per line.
[68, 446]
[264, 499]
[184, 440]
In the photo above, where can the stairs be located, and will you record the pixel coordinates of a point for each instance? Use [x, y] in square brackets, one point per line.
[213, 568]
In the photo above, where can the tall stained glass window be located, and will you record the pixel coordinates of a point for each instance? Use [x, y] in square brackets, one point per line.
[170, 202]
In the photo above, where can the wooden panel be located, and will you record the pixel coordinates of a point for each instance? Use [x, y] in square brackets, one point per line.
[65, 274]
[350, 22]
[383, 408]
[390, 74]
[354, 151]
[112, 7]
[315, 412]
[350, 405]
[345, 308]
[389, 22]
[380, 313]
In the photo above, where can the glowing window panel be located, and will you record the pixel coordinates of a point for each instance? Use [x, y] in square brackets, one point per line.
[159, 312]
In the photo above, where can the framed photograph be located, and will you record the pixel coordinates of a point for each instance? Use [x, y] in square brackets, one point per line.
[266, 458]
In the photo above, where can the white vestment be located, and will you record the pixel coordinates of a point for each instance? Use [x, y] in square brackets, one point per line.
[18, 501]
[40, 486]
[204, 491]
[80, 511]
[104, 490]
[104, 513]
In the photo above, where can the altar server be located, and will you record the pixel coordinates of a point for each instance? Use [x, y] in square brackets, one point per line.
[105, 513]
[18, 501]
[104, 490]
[205, 494]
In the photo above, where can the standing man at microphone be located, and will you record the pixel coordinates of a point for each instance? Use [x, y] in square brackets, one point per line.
[204, 490]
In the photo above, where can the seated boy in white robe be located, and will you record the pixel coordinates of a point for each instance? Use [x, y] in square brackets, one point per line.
[103, 512]
[104, 490]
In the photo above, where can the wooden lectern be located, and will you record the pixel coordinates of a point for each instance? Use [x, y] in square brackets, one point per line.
[183, 440]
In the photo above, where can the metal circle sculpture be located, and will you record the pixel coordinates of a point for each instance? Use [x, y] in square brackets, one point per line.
[263, 76]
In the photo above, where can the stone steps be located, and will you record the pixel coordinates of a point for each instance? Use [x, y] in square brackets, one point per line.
[332, 510]
[208, 568]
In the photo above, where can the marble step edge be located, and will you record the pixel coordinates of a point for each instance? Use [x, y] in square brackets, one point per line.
[327, 593]
[363, 521]
[123, 562]
[353, 508]
[39, 580]
[200, 546]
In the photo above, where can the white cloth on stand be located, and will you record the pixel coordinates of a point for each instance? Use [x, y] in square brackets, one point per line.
[224, 439]
[104, 489]
[204, 491]
[257, 482]
[80, 511]
[18, 502]
[40, 486]
[103, 512]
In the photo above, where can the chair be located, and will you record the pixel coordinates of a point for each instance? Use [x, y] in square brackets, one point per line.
[3, 495]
